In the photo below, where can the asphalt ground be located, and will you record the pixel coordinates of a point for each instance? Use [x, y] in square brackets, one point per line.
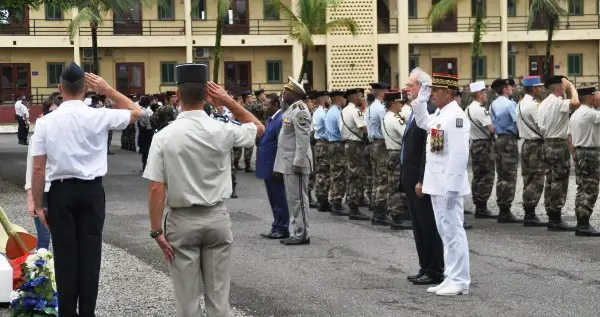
[350, 268]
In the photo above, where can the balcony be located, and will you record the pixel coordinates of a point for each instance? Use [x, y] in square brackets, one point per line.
[137, 28]
[242, 27]
[387, 26]
[461, 24]
[572, 22]
[36, 27]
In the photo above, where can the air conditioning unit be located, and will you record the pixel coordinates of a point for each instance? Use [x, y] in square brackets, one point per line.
[87, 54]
[201, 52]
[512, 48]
[413, 50]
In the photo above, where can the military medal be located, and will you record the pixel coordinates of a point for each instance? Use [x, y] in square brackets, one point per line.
[437, 140]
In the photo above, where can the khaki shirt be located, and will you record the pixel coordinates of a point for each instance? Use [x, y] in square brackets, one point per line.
[528, 116]
[393, 126]
[554, 117]
[293, 144]
[585, 127]
[192, 156]
[480, 120]
[354, 121]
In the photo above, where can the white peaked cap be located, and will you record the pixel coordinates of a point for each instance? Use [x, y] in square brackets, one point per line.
[477, 86]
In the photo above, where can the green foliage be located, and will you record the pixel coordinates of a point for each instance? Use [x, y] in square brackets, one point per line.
[438, 12]
[549, 12]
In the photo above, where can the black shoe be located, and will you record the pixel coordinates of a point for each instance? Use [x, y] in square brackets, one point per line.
[279, 235]
[249, 170]
[363, 203]
[469, 212]
[559, 225]
[532, 220]
[401, 225]
[508, 217]
[467, 226]
[323, 206]
[380, 220]
[427, 280]
[267, 235]
[338, 210]
[356, 214]
[371, 207]
[233, 193]
[295, 241]
[237, 167]
[25, 143]
[414, 277]
[485, 214]
[584, 228]
[311, 203]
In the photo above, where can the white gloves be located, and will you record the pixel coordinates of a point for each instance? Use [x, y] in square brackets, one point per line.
[424, 93]
[451, 198]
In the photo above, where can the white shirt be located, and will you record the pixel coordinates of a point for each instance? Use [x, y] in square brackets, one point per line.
[192, 155]
[87, 101]
[480, 120]
[354, 120]
[393, 126]
[74, 138]
[585, 127]
[29, 170]
[21, 110]
[145, 118]
[527, 116]
[554, 117]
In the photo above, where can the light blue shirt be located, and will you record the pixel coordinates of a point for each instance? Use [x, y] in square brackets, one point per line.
[375, 115]
[319, 122]
[332, 124]
[504, 115]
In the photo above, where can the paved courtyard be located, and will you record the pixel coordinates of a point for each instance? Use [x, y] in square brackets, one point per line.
[349, 269]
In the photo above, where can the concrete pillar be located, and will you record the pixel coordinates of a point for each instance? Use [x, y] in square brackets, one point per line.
[189, 56]
[403, 54]
[296, 48]
[504, 43]
[76, 50]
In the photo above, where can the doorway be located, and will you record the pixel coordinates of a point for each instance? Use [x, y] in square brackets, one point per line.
[237, 20]
[14, 21]
[445, 66]
[128, 22]
[307, 81]
[15, 81]
[448, 24]
[130, 78]
[238, 78]
[537, 64]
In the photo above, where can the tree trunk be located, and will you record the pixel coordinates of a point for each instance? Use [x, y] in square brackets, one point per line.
[476, 48]
[304, 60]
[547, 65]
[96, 60]
[217, 52]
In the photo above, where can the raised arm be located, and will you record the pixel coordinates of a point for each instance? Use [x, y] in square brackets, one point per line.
[100, 86]
[419, 108]
[215, 94]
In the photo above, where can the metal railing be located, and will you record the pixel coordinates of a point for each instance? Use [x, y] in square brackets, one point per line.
[571, 22]
[35, 95]
[142, 27]
[37, 27]
[242, 27]
[387, 26]
[460, 24]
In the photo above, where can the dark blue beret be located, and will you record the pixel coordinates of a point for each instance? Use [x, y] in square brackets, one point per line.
[191, 73]
[72, 73]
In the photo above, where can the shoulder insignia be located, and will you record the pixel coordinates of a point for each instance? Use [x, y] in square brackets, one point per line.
[397, 115]
[301, 107]
[360, 114]
[302, 122]
[487, 113]
[294, 107]
[459, 122]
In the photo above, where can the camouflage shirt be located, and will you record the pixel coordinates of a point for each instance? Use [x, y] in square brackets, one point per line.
[162, 117]
[257, 108]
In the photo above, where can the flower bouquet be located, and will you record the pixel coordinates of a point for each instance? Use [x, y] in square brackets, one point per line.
[36, 296]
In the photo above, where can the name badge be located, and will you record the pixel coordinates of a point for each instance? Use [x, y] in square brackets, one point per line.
[437, 140]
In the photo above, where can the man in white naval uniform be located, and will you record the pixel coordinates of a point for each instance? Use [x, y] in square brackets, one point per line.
[446, 178]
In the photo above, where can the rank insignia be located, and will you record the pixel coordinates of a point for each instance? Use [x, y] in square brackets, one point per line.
[360, 113]
[487, 113]
[438, 126]
[287, 121]
[301, 107]
[302, 121]
[437, 140]
[459, 122]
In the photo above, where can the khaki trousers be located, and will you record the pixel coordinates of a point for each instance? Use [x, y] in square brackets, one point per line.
[201, 238]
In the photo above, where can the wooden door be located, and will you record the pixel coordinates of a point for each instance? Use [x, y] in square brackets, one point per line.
[15, 81]
[445, 66]
[537, 64]
[130, 78]
[449, 24]
[308, 75]
[128, 22]
[237, 20]
[14, 21]
[238, 77]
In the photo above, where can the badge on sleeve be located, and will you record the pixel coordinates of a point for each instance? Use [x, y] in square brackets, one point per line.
[459, 122]
[301, 107]
[302, 122]
[360, 113]
[286, 121]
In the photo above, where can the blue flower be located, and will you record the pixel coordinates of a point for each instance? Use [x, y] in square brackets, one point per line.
[29, 302]
[38, 280]
[40, 263]
[41, 305]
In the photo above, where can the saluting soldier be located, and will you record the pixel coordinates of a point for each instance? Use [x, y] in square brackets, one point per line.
[504, 117]
[353, 129]
[197, 237]
[163, 116]
[554, 125]
[335, 152]
[482, 150]
[250, 106]
[533, 166]
[320, 151]
[585, 149]
[294, 160]
[369, 183]
[258, 106]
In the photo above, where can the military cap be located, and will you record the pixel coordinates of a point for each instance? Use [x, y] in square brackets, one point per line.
[446, 81]
[532, 81]
[502, 82]
[587, 91]
[477, 86]
[245, 94]
[309, 94]
[354, 91]
[72, 73]
[191, 73]
[294, 86]
[336, 93]
[379, 86]
[259, 92]
[400, 95]
[370, 97]
[319, 93]
[556, 79]
[170, 93]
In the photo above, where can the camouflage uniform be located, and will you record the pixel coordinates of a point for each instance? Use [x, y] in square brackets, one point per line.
[556, 153]
[482, 157]
[337, 171]
[370, 188]
[162, 116]
[354, 151]
[533, 168]
[379, 157]
[397, 203]
[322, 162]
[507, 160]
[587, 171]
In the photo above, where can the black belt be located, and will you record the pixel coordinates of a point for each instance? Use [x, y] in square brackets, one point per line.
[355, 141]
[555, 140]
[534, 140]
[77, 180]
[588, 148]
[322, 141]
[376, 140]
[336, 141]
[504, 135]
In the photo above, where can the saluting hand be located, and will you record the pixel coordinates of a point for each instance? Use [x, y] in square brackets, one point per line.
[216, 93]
[166, 248]
[97, 84]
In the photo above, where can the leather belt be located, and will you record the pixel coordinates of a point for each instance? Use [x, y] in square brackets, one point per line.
[77, 180]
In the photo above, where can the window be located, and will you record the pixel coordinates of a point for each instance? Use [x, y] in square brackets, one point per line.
[413, 63]
[54, 71]
[273, 71]
[166, 11]
[53, 12]
[167, 73]
[512, 8]
[412, 9]
[576, 7]
[511, 65]
[481, 67]
[269, 13]
[474, 7]
[88, 67]
[199, 11]
[575, 65]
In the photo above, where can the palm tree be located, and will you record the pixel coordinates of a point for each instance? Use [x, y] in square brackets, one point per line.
[439, 11]
[310, 19]
[549, 13]
[222, 8]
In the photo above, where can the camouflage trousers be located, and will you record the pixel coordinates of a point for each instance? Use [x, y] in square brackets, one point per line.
[507, 161]
[556, 155]
[396, 199]
[233, 178]
[237, 154]
[337, 171]
[322, 165]
[355, 165]
[482, 165]
[311, 177]
[369, 184]
[587, 172]
[380, 171]
[533, 167]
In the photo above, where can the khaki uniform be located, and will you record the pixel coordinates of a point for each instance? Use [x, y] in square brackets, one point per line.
[393, 127]
[350, 126]
[481, 151]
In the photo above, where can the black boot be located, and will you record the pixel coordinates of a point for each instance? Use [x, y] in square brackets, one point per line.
[585, 229]
[371, 206]
[531, 219]
[363, 202]
[248, 168]
[356, 214]
[555, 223]
[236, 164]
[338, 210]
[505, 216]
[380, 217]
[481, 211]
[311, 202]
[233, 193]
[400, 222]
[323, 204]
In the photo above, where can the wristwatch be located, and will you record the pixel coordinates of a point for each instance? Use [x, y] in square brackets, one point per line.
[156, 234]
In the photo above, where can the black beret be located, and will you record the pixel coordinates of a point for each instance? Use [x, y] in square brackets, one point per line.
[318, 94]
[502, 82]
[586, 91]
[556, 79]
[370, 98]
[191, 73]
[72, 73]
[245, 94]
[336, 93]
[379, 86]
[259, 92]
[170, 93]
[354, 91]
[395, 96]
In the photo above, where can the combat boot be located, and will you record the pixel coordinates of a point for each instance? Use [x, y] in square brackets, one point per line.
[236, 165]
[355, 213]
[233, 193]
[400, 222]
[481, 211]
[248, 168]
[585, 229]
[380, 217]
[311, 202]
[555, 223]
[531, 219]
[323, 204]
[505, 216]
[363, 202]
[338, 210]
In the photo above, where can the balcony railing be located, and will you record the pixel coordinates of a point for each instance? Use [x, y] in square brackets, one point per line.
[242, 27]
[572, 22]
[142, 27]
[386, 26]
[35, 95]
[37, 27]
[461, 24]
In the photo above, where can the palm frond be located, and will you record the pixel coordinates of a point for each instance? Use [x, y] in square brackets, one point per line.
[222, 8]
[86, 15]
[349, 24]
[549, 12]
[301, 33]
[440, 10]
[116, 6]
[276, 6]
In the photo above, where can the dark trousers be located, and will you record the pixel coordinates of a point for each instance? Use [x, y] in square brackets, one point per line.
[278, 202]
[43, 235]
[427, 239]
[76, 211]
[144, 142]
[22, 131]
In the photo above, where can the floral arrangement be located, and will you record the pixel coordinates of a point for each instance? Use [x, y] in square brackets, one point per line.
[36, 296]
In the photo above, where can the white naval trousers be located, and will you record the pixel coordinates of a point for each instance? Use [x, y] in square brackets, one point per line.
[296, 191]
[456, 248]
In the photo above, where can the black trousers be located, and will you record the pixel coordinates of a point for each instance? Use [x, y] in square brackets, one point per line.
[427, 239]
[76, 211]
[22, 131]
[144, 142]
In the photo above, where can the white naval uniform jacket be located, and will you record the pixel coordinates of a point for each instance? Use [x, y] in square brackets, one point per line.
[445, 170]
[293, 145]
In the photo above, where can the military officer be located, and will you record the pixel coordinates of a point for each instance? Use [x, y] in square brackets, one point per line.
[320, 151]
[259, 104]
[446, 178]
[554, 125]
[481, 151]
[294, 160]
[257, 111]
[369, 184]
[532, 150]
[335, 152]
[584, 138]
[353, 128]
[393, 126]
[163, 116]
[504, 116]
